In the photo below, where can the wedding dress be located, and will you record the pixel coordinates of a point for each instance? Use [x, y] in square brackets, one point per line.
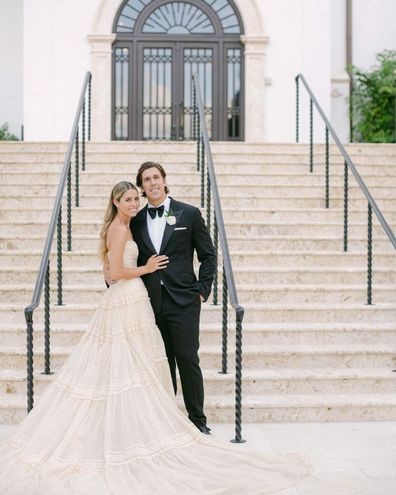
[109, 424]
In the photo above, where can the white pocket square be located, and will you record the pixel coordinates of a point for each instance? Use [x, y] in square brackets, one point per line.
[181, 228]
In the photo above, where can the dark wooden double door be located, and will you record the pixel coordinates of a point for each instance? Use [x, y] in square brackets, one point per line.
[153, 89]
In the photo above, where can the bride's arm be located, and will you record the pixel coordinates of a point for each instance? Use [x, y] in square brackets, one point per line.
[116, 241]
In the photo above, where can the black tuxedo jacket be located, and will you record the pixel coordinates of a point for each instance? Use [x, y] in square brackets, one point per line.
[179, 242]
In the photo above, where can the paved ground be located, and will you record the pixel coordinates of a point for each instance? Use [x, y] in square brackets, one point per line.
[348, 458]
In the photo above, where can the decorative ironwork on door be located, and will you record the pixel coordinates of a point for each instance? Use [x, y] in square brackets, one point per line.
[200, 61]
[157, 93]
[159, 45]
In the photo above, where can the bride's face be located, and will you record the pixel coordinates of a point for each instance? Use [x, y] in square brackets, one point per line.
[129, 203]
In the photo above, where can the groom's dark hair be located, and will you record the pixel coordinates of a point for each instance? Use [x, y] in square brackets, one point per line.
[144, 166]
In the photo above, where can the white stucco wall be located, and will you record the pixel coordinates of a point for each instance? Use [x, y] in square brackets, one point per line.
[339, 114]
[373, 30]
[11, 65]
[57, 54]
[299, 41]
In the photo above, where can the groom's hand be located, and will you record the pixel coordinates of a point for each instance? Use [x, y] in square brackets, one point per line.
[202, 298]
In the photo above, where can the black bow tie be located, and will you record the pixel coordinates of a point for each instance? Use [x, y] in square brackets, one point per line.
[154, 211]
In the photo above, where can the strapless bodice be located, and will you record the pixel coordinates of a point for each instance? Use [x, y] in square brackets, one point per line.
[130, 254]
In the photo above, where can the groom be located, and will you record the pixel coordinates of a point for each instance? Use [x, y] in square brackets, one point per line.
[166, 226]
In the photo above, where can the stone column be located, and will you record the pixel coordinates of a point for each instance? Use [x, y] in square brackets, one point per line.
[101, 51]
[254, 87]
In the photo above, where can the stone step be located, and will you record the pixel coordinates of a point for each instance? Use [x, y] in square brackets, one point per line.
[185, 165]
[334, 215]
[254, 313]
[252, 190]
[245, 228]
[305, 408]
[102, 182]
[227, 201]
[321, 261]
[223, 146]
[351, 278]
[254, 382]
[235, 242]
[68, 334]
[266, 408]
[173, 154]
[256, 356]
[258, 293]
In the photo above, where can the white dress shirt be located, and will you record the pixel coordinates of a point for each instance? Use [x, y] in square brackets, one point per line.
[156, 226]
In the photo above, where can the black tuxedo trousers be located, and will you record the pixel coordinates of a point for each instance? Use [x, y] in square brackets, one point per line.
[175, 294]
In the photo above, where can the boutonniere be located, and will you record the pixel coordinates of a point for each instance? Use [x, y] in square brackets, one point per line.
[170, 217]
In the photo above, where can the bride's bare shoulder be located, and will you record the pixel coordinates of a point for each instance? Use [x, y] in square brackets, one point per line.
[116, 234]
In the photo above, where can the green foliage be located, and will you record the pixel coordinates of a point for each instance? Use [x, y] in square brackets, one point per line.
[373, 100]
[5, 135]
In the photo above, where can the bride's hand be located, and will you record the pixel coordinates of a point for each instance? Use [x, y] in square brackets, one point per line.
[157, 262]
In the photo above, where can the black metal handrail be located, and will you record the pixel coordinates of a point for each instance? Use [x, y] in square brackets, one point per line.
[348, 164]
[209, 182]
[43, 276]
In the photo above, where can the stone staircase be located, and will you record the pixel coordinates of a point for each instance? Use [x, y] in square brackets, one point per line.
[313, 350]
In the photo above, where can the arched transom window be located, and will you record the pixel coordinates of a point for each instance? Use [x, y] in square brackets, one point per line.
[173, 12]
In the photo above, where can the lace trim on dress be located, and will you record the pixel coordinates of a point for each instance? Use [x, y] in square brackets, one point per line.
[121, 300]
[122, 457]
[78, 390]
[120, 332]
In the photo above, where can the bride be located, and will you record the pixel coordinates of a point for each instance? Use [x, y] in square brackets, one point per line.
[108, 424]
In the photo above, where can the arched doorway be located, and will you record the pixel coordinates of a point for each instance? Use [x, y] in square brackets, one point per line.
[159, 44]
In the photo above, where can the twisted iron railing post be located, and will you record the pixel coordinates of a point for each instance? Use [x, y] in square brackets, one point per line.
[369, 256]
[47, 370]
[238, 377]
[194, 113]
[29, 359]
[68, 207]
[198, 145]
[89, 108]
[224, 325]
[216, 247]
[297, 109]
[77, 173]
[327, 170]
[345, 206]
[202, 165]
[208, 201]
[59, 256]
[83, 137]
[311, 135]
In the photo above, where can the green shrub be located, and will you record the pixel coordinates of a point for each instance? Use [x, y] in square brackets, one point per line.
[5, 135]
[373, 101]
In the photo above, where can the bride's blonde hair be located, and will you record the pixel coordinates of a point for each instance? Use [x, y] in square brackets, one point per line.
[111, 211]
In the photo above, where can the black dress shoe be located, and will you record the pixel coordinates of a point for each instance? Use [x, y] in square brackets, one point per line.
[204, 429]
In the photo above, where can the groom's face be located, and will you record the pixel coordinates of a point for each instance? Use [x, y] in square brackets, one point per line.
[153, 184]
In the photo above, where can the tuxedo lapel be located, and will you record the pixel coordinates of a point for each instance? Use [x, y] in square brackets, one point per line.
[169, 229]
[144, 230]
